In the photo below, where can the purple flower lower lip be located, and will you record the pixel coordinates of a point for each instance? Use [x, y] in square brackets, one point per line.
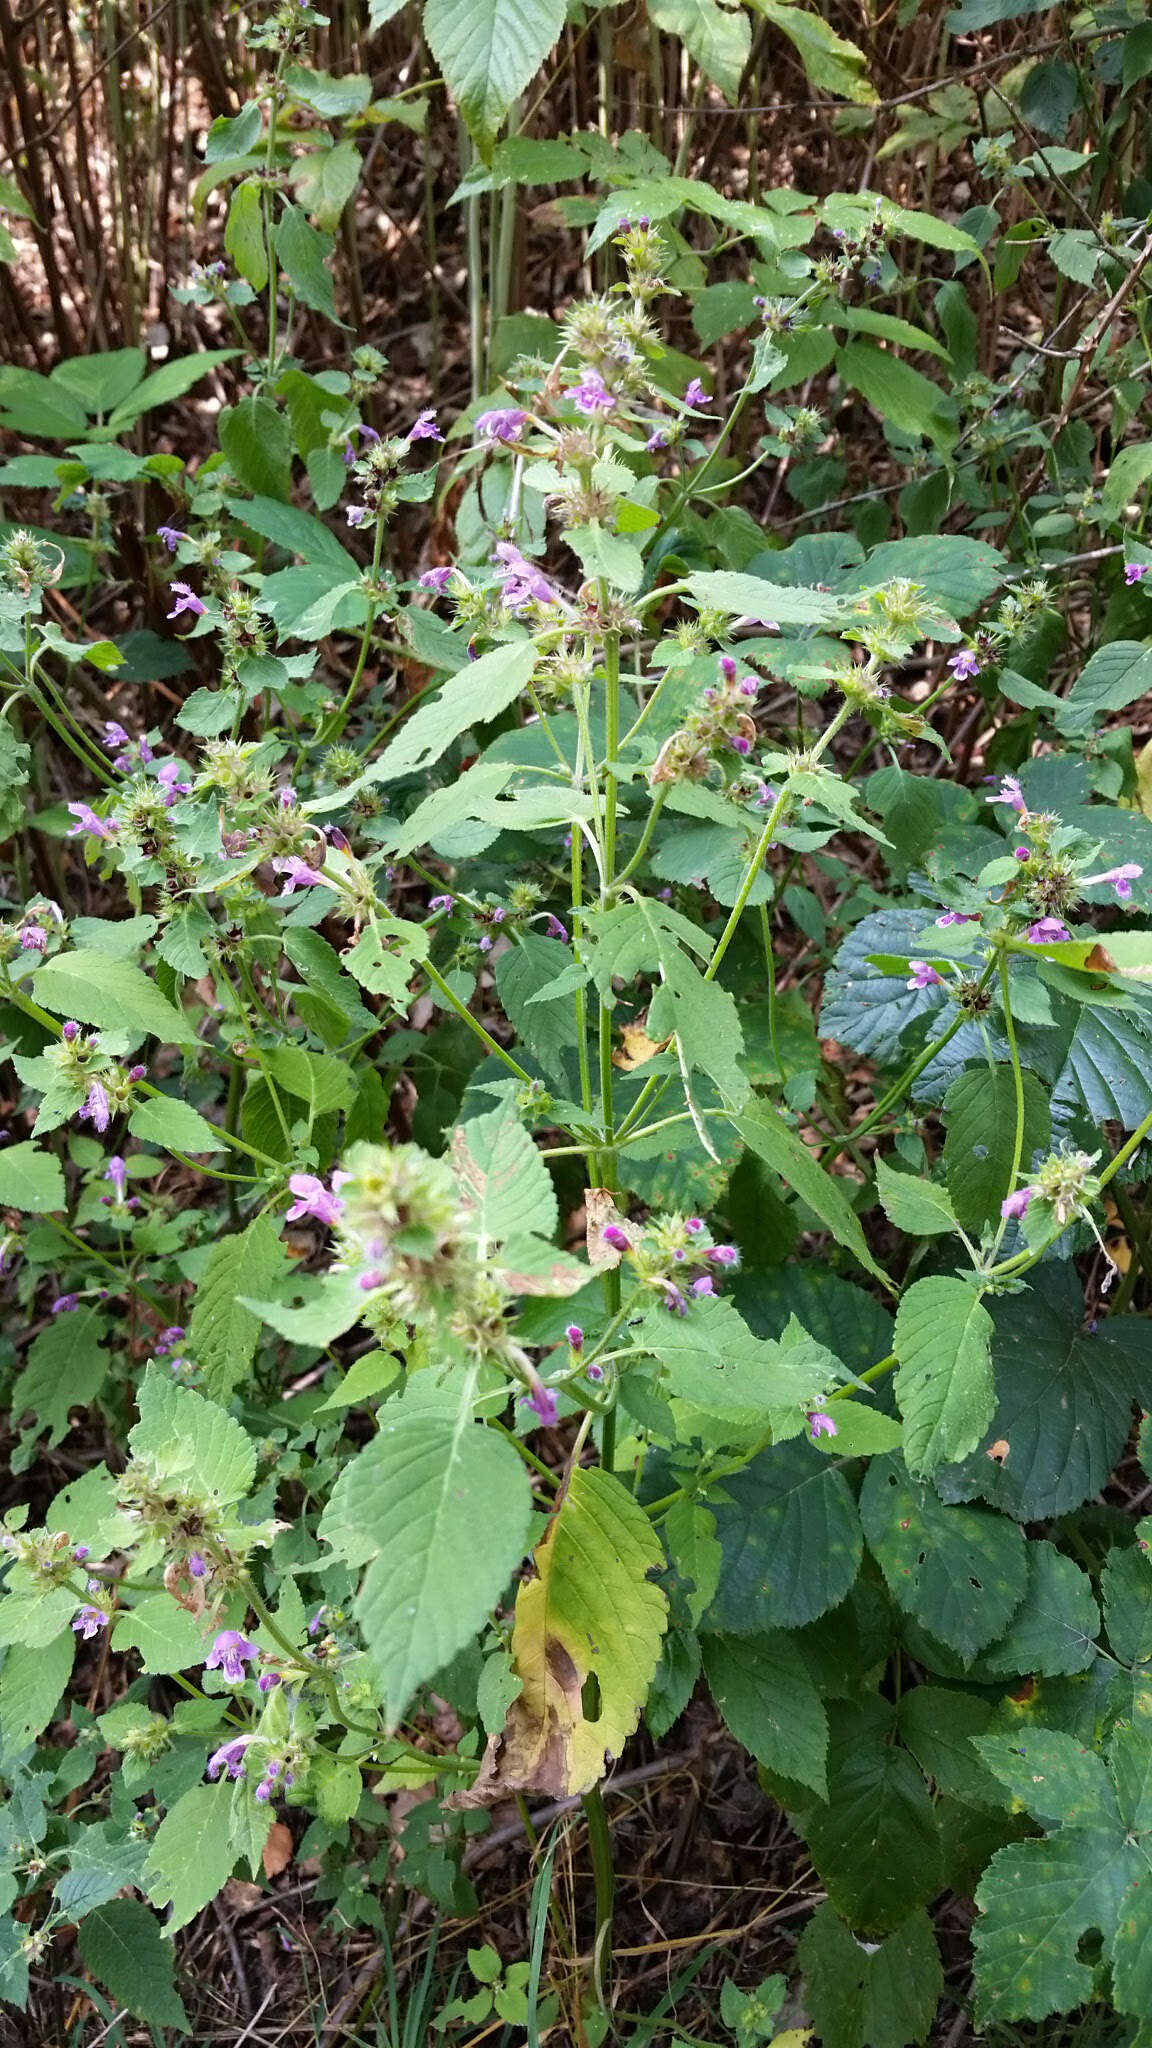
[186, 600]
[313, 1199]
[229, 1653]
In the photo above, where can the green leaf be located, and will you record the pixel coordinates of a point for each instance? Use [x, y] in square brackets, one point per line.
[234, 136]
[320, 1083]
[166, 1635]
[185, 1439]
[944, 1384]
[325, 180]
[1126, 1582]
[711, 1359]
[938, 1726]
[912, 1203]
[165, 1120]
[896, 391]
[257, 444]
[761, 1685]
[1053, 1633]
[505, 1187]
[774, 1141]
[646, 936]
[223, 1332]
[65, 1369]
[875, 1844]
[303, 250]
[192, 1856]
[336, 1787]
[169, 382]
[689, 1534]
[522, 974]
[790, 1535]
[1108, 1068]
[102, 382]
[31, 1179]
[980, 1113]
[752, 598]
[831, 62]
[472, 698]
[332, 98]
[606, 555]
[1132, 467]
[124, 1949]
[870, 1995]
[1115, 676]
[384, 957]
[31, 1682]
[296, 531]
[488, 50]
[1064, 1402]
[439, 1508]
[866, 1008]
[959, 1572]
[717, 38]
[244, 234]
[112, 994]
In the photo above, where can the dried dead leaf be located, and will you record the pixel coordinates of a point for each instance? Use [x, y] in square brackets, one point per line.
[277, 1851]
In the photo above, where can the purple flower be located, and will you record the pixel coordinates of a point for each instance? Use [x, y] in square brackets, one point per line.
[575, 1336]
[186, 600]
[923, 975]
[313, 1199]
[1121, 879]
[267, 1680]
[703, 1285]
[171, 537]
[503, 423]
[229, 1653]
[555, 930]
[88, 1622]
[766, 797]
[115, 736]
[96, 1107]
[436, 579]
[820, 1424]
[1047, 931]
[1009, 792]
[87, 821]
[169, 778]
[674, 1301]
[592, 395]
[443, 903]
[614, 1236]
[1015, 1205]
[523, 582]
[694, 1225]
[299, 874]
[198, 1565]
[958, 917]
[1021, 853]
[117, 1172]
[964, 664]
[739, 743]
[70, 1032]
[63, 1304]
[81, 1552]
[656, 441]
[424, 428]
[137, 1073]
[356, 515]
[749, 687]
[593, 1372]
[543, 1402]
[723, 1255]
[1135, 570]
[315, 1623]
[229, 1757]
[33, 939]
[696, 396]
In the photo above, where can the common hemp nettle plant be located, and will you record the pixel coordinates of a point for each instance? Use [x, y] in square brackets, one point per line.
[494, 1282]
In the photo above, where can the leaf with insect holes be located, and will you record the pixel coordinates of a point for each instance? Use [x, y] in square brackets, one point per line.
[960, 1572]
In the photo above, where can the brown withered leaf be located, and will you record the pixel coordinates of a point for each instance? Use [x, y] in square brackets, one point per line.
[637, 1048]
[277, 1851]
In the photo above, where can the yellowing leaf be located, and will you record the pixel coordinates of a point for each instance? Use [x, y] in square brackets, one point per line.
[590, 1613]
[637, 1048]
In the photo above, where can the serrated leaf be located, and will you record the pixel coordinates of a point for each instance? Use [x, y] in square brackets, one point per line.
[192, 1854]
[169, 382]
[944, 1383]
[125, 1951]
[896, 391]
[790, 1536]
[1064, 1401]
[65, 1369]
[762, 1687]
[717, 38]
[591, 1612]
[439, 1508]
[222, 1332]
[31, 1682]
[182, 1437]
[913, 1204]
[689, 1534]
[166, 1635]
[474, 697]
[959, 1572]
[865, 1008]
[751, 597]
[870, 1995]
[31, 1179]
[113, 994]
[165, 1120]
[980, 1113]
[938, 1726]
[875, 1843]
[488, 50]
[711, 1359]
[1053, 1632]
[506, 1189]
[325, 180]
[646, 936]
[779, 1146]
[1108, 1068]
